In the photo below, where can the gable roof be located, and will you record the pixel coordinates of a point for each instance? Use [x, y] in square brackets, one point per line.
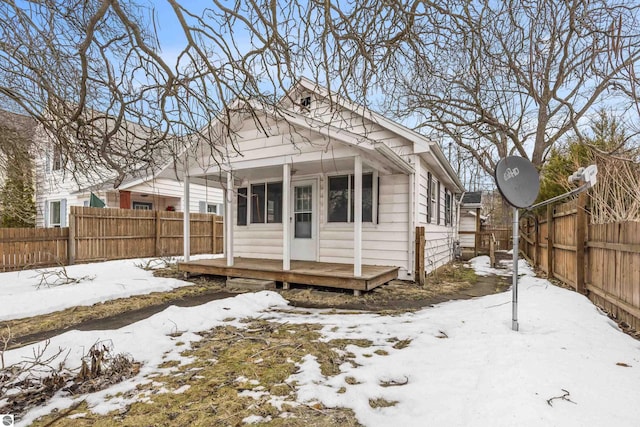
[422, 144]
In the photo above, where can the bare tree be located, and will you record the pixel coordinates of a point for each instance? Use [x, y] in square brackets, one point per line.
[514, 77]
[494, 77]
[92, 71]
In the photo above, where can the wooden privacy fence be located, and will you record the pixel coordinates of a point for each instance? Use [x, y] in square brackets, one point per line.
[96, 234]
[32, 247]
[599, 260]
[501, 237]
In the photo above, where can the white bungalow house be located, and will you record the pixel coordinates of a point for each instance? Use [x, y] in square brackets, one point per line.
[333, 183]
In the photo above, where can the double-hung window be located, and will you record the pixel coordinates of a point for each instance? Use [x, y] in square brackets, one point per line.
[447, 208]
[57, 160]
[433, 201]
[341, 198]
[55, 214]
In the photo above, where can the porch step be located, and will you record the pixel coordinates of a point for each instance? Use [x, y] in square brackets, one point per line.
[243, 284]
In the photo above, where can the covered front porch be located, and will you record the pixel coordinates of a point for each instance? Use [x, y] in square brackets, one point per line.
[315, 273]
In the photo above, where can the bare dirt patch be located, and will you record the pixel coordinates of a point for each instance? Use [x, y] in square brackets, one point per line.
[450, 282]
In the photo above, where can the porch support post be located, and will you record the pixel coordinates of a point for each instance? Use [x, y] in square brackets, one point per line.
[186, 220]
[286, 242]
[412, 218]
[228, 220]
[357, 217]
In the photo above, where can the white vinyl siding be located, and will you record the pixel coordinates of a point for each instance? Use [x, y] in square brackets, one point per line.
[258, 240]
[438, 235]
[384, 243]
[167, 192]
[467, 223]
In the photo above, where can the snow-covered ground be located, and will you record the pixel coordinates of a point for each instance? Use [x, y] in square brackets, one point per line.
[464, 366]
[22, 297]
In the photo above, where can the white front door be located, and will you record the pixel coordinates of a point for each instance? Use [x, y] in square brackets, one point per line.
[304, 219]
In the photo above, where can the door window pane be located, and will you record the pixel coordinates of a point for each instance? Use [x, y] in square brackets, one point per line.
[303, 198]
[303, 225]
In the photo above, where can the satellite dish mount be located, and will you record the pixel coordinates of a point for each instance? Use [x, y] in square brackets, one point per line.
[519, 183]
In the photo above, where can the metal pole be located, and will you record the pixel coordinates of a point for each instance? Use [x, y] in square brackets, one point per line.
[514, 288]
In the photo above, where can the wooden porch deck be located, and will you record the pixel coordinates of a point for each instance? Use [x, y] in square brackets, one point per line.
[302, 272]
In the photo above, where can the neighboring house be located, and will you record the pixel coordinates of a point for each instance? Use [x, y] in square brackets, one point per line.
[291, 191]
[57, 190]
[470, 221]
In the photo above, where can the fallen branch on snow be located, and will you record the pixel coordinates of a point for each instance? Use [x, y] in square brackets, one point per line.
[565, 396]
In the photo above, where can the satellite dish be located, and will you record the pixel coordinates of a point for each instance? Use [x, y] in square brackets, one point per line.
[518, 181]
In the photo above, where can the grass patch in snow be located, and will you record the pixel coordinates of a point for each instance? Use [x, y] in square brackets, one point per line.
[399, 345]
[382, 403]
[234, 373]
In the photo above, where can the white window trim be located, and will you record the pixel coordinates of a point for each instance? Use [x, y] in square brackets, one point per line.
[250, 197]
[148, 204]
[434, 201]
[50, 222]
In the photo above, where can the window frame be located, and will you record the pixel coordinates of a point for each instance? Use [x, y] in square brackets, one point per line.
[448, 199]
[242, 195]
[214, 206]
[51, 212]
[305, 103]
[248, 193]
[433, 201]
[350, 204]
[438, 206]
[148, 206]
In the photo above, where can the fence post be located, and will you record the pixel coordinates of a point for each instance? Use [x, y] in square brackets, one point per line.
[477, 241]
[581, 226]
[158, 249]
[71, 244]
[526, 241]
[420, 244]
[492, 251]
[536, 241]
[549, 241]
[213, 233]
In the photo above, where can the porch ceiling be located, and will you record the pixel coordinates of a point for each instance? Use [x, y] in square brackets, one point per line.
[326, 166]
[327, 162]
